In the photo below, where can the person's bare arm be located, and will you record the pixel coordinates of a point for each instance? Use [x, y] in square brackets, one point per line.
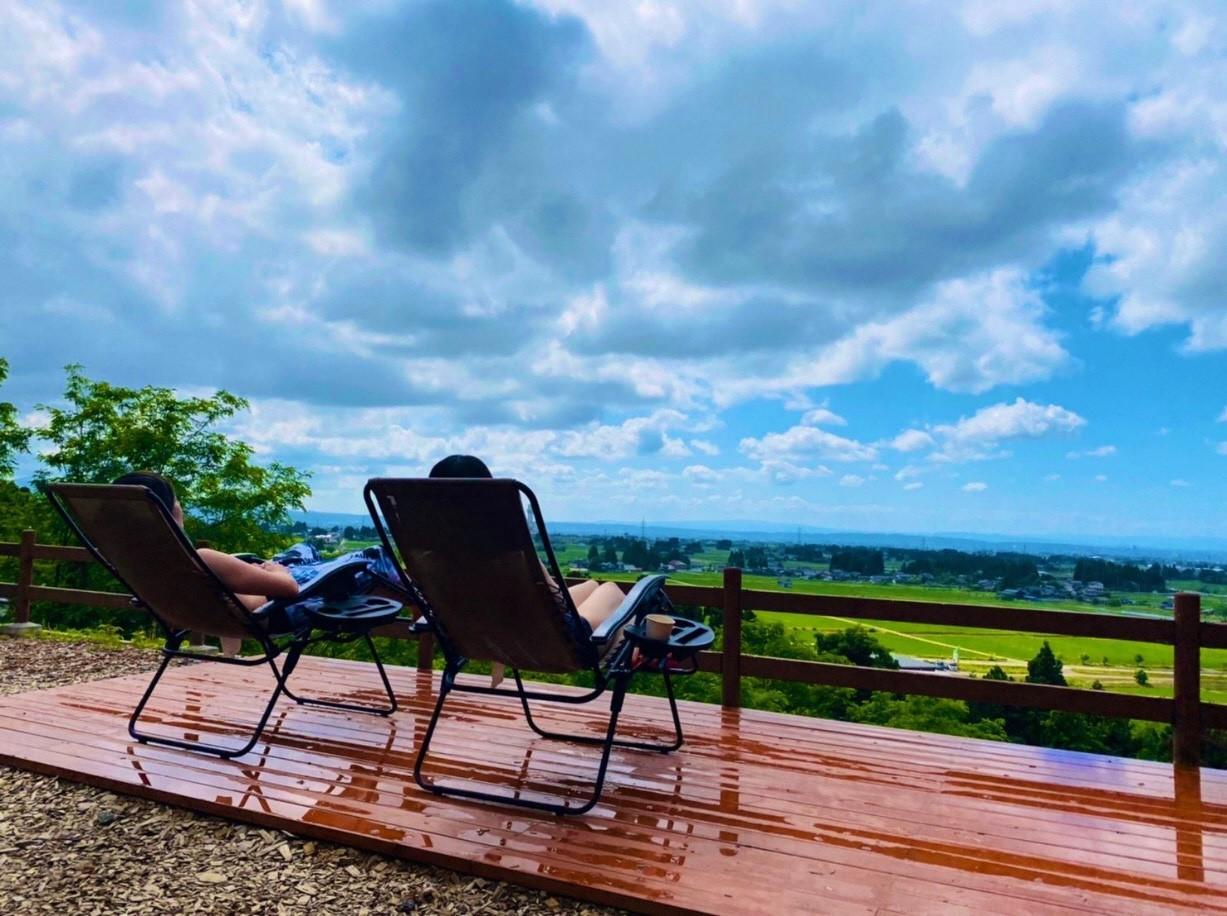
[269, 579]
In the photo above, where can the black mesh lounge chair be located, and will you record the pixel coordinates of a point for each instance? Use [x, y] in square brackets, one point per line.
[131, 533]
[466, 547]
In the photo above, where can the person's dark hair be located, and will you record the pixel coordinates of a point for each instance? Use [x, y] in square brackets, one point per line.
[460, 466]
[162, 488]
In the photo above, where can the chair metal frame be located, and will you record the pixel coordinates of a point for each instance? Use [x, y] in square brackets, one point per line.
[616, 669]
[256, 622]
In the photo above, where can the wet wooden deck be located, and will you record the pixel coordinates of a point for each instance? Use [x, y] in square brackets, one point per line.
[758, 813]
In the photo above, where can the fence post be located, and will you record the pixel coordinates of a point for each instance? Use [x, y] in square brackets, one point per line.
[1186, 678]
[426, 651]
[20, 624]
[731, 667]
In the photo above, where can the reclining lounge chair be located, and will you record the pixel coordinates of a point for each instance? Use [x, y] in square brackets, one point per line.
[468, 557]
[132, 534]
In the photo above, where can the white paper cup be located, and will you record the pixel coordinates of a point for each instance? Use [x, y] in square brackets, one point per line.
[658, 626]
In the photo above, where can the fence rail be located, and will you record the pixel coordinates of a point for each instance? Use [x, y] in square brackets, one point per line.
[1186, 633]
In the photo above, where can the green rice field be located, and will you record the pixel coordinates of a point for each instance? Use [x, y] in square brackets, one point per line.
[1110, 661]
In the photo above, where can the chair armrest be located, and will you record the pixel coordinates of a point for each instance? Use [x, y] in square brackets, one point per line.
[638, 602]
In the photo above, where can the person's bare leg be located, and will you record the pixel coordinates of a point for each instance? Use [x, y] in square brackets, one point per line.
[580, 593]
[602, 602]
[232, 644]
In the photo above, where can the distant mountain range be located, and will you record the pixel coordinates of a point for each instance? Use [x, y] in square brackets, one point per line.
[1204, 550]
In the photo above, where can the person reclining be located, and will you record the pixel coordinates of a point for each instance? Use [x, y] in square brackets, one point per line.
[594, 600]
[253, 584]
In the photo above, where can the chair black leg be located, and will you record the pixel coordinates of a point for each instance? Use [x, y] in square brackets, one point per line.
[673, 745]
[219, 750]
[607, 745]
[352, 707]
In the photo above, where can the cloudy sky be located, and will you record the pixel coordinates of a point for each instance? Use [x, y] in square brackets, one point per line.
[892, 266]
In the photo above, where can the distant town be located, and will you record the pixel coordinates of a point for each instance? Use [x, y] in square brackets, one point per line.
[1053, 580]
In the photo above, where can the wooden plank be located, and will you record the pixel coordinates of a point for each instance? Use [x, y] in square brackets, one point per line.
[81, 596]
[637, 847]
[1213, 635]
[931, 821]
[1186, 682]
[733, 657]
[25, 577]
[1213, 715]
[702, 595]
[980, 690]
[1029, 620]
[751, 816]
[63, 554]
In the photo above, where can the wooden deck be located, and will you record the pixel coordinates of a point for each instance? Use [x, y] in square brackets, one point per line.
[758, 813]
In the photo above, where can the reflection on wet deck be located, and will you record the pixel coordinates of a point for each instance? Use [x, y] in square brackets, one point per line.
[757, 813]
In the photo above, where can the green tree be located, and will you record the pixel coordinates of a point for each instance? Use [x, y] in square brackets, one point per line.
[594, 557]
[928, 714]
[857, 645]
[1141, 677]
[105, 430]
[13, 438]
[1079, 732]
[1045, 668]
[610, 557]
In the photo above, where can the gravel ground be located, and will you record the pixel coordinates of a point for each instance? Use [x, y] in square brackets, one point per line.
[68, 848]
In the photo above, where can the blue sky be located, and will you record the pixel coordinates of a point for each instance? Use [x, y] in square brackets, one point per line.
[913, 266]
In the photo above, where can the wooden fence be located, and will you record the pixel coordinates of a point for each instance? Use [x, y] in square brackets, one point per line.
[1186, 632]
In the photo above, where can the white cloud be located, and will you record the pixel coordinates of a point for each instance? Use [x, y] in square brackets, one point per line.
[1103, 451]
[914, 485]
[971, 335]
[638, 435]
[786, 472]
[701, 474]
[1221, 448]
[821, 415]
[1160, 249]
[911, 440]
[851, 480]
[975, 486]
[978, 436]
[1101, 478]
[1052, 477]
[1222, 417]
[1179, 483]
[806, 442]
[246, 164]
